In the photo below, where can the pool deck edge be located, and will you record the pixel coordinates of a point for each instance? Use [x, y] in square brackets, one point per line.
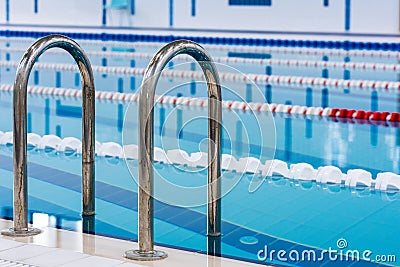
[78, 248]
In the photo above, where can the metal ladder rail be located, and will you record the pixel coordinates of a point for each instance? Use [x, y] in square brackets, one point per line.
[146, 250]
[20, 227]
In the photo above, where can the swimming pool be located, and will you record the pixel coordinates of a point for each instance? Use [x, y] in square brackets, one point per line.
[290, 214]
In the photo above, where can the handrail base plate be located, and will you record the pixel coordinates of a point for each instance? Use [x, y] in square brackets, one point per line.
[145, 256]
[21, 232]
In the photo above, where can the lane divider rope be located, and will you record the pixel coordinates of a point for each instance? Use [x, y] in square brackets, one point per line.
[336, 114]
[307, 51]
[260, 79]
[239, 60]
[384, 181]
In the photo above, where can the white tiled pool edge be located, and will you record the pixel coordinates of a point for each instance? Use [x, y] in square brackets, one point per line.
[55, 247]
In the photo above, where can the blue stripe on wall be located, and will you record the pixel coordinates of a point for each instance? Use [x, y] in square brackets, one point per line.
[104, 18]
[132, 7]
[35, 6]
[326, 3]
[171, 13]
[250, 2]
[347, 15]
[193, 8]
[7, 10]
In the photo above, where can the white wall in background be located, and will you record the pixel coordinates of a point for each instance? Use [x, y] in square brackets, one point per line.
[151, 13]
[283, 15]
[367, 16]
[378, 16]
[56, 12]
[2, 11]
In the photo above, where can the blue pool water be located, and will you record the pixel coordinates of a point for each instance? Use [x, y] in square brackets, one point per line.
[282, 213]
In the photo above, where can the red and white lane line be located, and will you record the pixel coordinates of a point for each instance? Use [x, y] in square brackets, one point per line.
[302, 172]
[242, 48]
[360, 116]
[237, 60]
[259, 79]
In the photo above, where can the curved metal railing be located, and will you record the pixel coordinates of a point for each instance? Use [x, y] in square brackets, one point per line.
[146, 250]
[20, 227]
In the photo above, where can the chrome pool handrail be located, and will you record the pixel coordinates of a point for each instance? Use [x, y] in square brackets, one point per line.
[146, 250]
[20, 227]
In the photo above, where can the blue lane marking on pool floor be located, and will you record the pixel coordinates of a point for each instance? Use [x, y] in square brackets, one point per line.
[62, 214]
[47, 116]
[68, 110]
